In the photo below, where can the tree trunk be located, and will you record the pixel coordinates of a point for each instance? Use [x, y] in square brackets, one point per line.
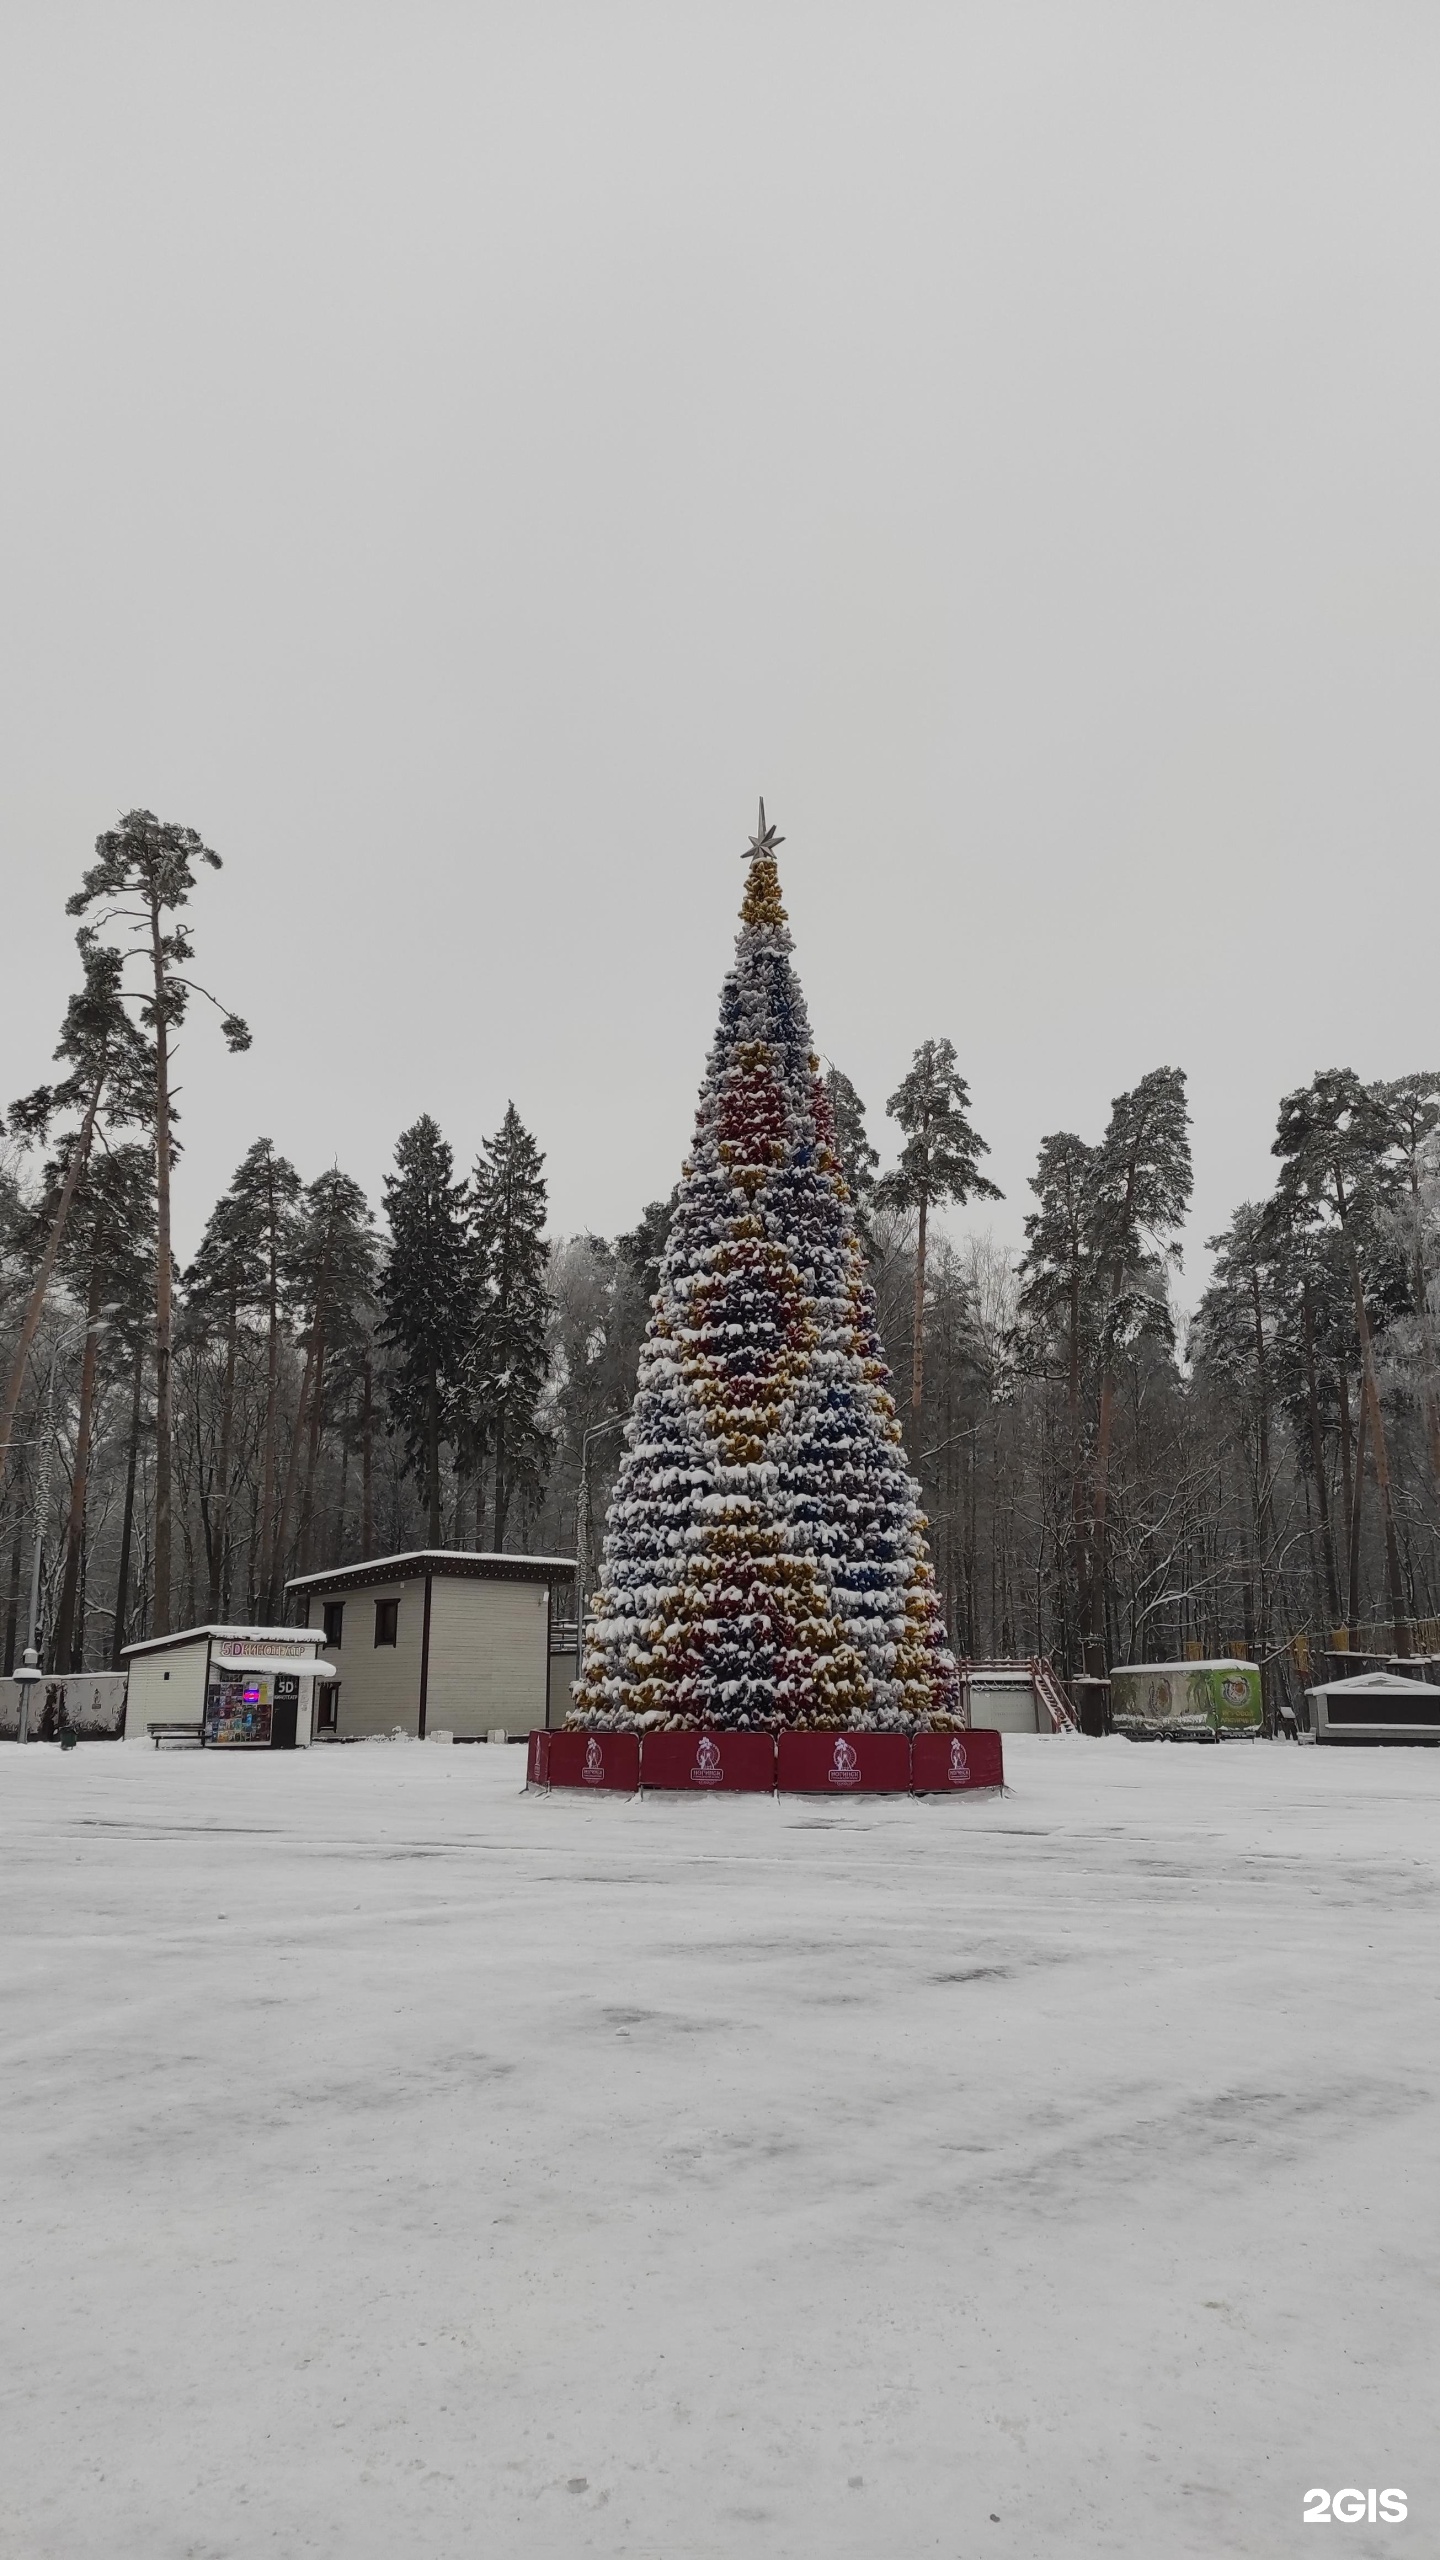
[1096, 1654]
[77, 1654]
[69, 1640]
[1347, 1451]
[1317, 1457]
[127, 1518]
[292, 1462]
[432, 1460]
[272, 1392]
[1427, 1328]
[164, 1289]
[1264, 1500]
[502, 1489]
[12, 1604]
[1357, 1505]
[367, 1463]
[917, 1355]
[222, 1464]
[1370, 1393]
[35, 1303]
[312, 1456]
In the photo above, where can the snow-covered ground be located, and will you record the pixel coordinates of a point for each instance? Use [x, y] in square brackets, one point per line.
[397, 2165]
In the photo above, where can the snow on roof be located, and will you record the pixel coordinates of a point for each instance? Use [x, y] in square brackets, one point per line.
[420, 1560]
[249, 1635]
[1221, 1662]
[262, 1663]
[1374, 1684]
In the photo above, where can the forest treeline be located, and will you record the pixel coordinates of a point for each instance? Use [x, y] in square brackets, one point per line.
[329, 1378]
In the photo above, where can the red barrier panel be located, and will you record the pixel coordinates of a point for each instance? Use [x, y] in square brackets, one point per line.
[537, 1767]
[942, 1762]
[595, 1760]
[825, 1764]
[709, 1759]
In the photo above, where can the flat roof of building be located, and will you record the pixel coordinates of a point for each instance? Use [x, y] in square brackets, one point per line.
[1374, 1684]
[249, 1635]
[461, 1563]
[1220, 1662]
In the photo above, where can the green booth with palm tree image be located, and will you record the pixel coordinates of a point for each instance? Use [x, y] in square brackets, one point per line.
[1187, 1701]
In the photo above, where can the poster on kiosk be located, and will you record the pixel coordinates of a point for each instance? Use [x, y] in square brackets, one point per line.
[252, 1707]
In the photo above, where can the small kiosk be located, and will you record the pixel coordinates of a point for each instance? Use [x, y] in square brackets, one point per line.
[1187, 1701]
[230, 1688]
[1374, 1706]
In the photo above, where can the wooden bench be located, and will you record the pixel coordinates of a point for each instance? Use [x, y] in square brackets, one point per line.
[173, 1733]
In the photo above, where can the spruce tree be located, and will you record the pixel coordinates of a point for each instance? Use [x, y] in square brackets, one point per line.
[1141, 1191]
[332, 1283]
[244, 1265]
[858, 1159]
[224, 1279]
[1059, 1311]
[426, 1299]
[940, 1162]
[508, 1202]
[765, 1561]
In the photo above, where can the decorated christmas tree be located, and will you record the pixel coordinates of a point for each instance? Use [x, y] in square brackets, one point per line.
[765, 1559]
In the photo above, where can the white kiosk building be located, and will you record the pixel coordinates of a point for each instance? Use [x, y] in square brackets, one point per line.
[247, 1688]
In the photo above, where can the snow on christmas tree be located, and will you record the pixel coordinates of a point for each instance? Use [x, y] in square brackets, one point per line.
[765, 1559]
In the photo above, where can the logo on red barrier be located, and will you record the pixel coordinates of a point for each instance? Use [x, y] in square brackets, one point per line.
[708, 1771]
[594, 1762]
[815, 1762]
[942, 1761]
[844, 1769]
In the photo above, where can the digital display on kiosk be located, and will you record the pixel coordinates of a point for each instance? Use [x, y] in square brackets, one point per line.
[239, 1709]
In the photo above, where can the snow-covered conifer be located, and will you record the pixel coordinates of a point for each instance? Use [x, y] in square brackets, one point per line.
[509, 1258]
[765, 1559]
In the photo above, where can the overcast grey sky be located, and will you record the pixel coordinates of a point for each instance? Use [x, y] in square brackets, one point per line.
[456, 456]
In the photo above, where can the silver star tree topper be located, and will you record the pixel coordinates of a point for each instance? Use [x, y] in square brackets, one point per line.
[764, 841]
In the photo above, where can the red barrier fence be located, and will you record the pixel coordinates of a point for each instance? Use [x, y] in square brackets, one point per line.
[844, 1764]
[708, 1759]
[798, 1764]
[943, 1762]
[599, 1760]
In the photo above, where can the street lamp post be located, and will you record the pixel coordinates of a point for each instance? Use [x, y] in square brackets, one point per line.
[25, 1675]
[597, 1431]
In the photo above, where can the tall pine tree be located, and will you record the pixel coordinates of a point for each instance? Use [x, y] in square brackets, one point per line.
[765, 1562]
[508, 1201]
[143, 875]
[426, 1298]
